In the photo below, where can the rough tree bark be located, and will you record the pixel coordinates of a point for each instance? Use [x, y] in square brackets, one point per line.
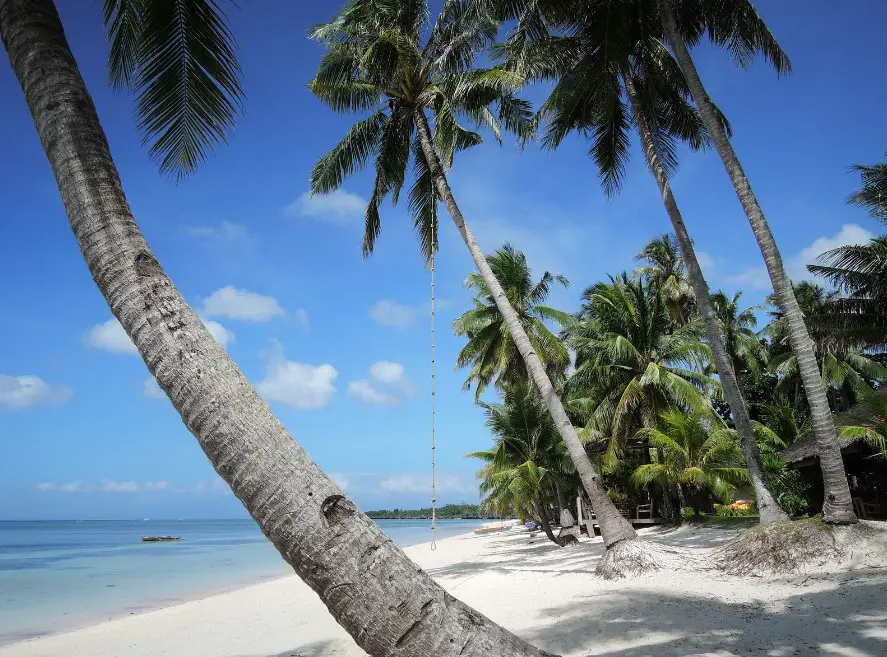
[769, 508]
[838, 506]
[614, 528]
[388, 604]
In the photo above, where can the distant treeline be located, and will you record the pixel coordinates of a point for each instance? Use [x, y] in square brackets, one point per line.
[449, 511]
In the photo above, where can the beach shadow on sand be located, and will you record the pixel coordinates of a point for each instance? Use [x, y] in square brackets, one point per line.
[847, 621]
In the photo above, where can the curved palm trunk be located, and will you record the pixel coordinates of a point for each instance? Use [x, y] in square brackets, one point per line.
[614, 527]
[374, 591]
[546, 523]
[838, 507]
[769, 508]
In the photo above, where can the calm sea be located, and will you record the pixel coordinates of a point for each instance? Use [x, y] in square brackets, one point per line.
[56, 575]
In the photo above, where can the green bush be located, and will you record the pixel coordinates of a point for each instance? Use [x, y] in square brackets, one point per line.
[688, 512]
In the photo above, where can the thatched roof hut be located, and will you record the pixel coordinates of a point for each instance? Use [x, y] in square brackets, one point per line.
[804, 451]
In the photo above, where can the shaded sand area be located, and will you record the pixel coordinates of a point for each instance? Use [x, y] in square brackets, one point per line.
[548, 595]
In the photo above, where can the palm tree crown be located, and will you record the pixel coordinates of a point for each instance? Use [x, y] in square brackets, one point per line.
[377, 62]
[744, 347]
[692, 454]
[664, 268]
[181, 59]
[632, 363]
[490, 351]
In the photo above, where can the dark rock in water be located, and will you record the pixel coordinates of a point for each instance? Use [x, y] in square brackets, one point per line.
[155, 539]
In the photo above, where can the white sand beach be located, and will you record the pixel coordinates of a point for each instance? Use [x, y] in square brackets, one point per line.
[549, 596]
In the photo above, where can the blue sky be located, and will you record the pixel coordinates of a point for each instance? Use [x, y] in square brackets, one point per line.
[338, 344]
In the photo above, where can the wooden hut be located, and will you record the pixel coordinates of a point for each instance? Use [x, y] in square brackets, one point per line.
[866, 473]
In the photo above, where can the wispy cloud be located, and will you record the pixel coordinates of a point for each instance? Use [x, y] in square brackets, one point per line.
[849, 234]
[396, 386]
[106, 486]
[244, 305]
[389, 312]
[222, 233]
[20, 392]
[298, 385]
[70, 487]
[757, 278]
[109, 336]
[338, 207]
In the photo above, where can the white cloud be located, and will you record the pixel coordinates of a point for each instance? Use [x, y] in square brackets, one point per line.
[110, 336]
[392, 374]
[302, 317]
[156, 485]
[109, 486]
[754, 278]
[396, 385]
[389, 312]
[225, 232]
[412, 483]
[20, 392]
[365, 392]
[241, 304]
[222, 335]
[299, 385]
[71, 487]
[849, 234]
[338, 207]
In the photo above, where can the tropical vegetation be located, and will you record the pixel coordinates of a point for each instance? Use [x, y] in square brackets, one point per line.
[653, 391]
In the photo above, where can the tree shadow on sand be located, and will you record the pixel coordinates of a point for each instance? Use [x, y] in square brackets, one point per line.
[847, 621]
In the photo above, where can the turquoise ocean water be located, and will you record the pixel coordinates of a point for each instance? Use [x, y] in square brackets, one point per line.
[56, 575]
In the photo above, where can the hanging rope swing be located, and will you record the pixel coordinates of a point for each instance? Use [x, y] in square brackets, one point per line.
[433, 465]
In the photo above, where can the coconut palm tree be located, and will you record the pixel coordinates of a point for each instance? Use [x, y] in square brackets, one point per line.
[695, 457]
[860, 272]
[744, 347]
[527, 461]
[490, 350]
[665, 269]
[380, 61]
[329, 542]
[612, 73]
[873, 193]
[846, 368]
[868, 421]
[631, 364]
[739, 27]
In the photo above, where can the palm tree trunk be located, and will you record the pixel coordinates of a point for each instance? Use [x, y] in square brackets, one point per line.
[838, 507]
[373, 590]
[564, 515]
[769, 508]
[546, 523]
[614, 527]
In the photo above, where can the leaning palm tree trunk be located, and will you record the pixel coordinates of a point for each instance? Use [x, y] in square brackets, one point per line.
[769, 508]
[838, 506]
[373, 590]
[614, 528]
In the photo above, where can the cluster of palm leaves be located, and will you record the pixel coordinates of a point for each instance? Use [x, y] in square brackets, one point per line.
[643, 388]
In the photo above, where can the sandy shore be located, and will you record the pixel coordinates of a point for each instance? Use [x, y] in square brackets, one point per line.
[547, 595]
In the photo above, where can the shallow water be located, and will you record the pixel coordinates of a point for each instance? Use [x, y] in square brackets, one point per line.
[56, 575]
